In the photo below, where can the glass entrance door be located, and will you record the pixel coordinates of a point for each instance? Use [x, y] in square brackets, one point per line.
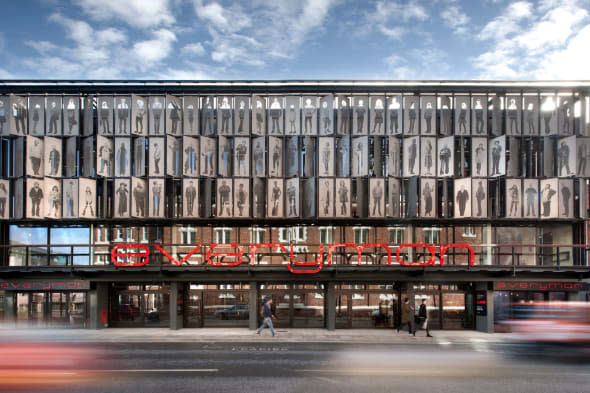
[344, 311]
[127, 309]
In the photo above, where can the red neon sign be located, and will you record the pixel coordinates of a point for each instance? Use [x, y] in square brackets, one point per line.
[309, 267]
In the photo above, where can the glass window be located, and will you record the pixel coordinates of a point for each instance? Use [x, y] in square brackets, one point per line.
[469, 231]
[257, 235]
[326, 235]
[188, 235]
[222, 235]
[396, 235]
[361, 235]
[432, 235]
[68, 254]
[32, 256]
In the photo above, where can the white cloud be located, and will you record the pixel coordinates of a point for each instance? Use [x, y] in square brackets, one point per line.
[536, 42]
[455, 19]
[137, 13]
[262, 32]
[150, 52]
[388, 15]
[508, 22]
[105, 53]
[194, 49]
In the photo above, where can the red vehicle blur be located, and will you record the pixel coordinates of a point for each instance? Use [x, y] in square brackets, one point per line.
[552, 325]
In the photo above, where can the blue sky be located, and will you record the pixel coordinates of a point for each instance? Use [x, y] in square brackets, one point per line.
[287, 39]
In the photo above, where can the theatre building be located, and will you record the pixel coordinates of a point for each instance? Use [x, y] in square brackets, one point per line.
[183, 204]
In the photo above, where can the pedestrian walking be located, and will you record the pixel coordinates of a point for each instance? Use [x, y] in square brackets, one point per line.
[423, 318]
[267, 316]
[407, 316]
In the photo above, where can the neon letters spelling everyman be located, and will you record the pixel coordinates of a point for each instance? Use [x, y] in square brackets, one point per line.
[307, 267]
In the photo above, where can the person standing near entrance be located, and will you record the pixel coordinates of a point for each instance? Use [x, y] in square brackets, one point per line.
[407, 316]
[423, 316]
[267, 316]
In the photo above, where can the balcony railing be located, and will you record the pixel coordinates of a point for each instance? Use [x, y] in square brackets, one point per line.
[183, 255]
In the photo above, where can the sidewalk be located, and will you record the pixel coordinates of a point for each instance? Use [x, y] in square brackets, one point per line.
[348, 336]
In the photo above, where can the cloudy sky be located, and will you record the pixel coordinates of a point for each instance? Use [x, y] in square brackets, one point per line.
[287, 39]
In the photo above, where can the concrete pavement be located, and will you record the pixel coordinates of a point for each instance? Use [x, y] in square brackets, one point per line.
[353, 336]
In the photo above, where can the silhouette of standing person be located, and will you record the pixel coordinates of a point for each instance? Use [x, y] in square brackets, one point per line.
[122, 159]
[412, 117]
[377, 195]
[428, 158]
[71, 111]
[123, 114]
[379, 109]
[157, 158]
[291, 191]
[139, 115]
[582, 158]
[208, 116]
[139, 195]
[308, 111]
[156, 198]
[259, 117]
[427, 195]
[3, 199]
[514, 200]
[241, 199]
[344, 117]
[53, 118]
[275, 115]
[478, 116]
[122, 193]
[104, 117]
[547, 109]
[36, 195]
[479, 155]
[190, 194]
[360, 116]
[224, 191]
[531, 199]
[566, 193]
[393, 116]
[89, 201]
[325, 116]
[157, 113]
[513, 116]
[343, 198]
[412, 157]
[546, 196]
[428, 117]
[241, 116]
[328, 197]
[563, 154]
[275, 195]
[480, 195]
[463, 118]
[174, 115]
[462, 198]
[225, 110]
[496, 153]
[445, 156]
[530, 118]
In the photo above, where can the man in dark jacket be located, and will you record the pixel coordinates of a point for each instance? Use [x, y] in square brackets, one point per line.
[423, 316]
[407, 316]
[267, 316]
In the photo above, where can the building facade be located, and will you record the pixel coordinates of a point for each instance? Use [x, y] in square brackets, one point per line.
[184, 204]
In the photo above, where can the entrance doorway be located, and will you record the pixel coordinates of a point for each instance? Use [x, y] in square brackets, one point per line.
[216, 305]
[366, 306]
[295, 305]
[140, 306]
[448, 306]
[51, 309]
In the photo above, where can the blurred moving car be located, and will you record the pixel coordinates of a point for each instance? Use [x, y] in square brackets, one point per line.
[551, 328]
[238, 311]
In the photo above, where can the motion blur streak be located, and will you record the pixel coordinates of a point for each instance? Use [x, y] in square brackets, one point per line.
[45, 364]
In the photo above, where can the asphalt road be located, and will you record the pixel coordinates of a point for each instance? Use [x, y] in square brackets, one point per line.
[277, 367]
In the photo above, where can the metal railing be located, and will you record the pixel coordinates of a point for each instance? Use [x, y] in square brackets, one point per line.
[171, 255]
